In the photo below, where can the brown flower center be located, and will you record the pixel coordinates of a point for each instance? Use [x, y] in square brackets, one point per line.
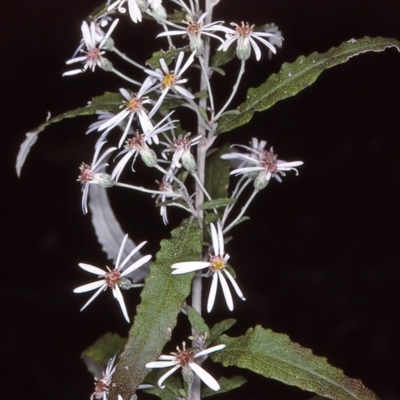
[86, 174]
[112, 278]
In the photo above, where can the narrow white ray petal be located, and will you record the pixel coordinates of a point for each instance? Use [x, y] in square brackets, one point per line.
[240, 156]
[184, 92]
[76, 59]
[92, 269]
[179, 62]
[283, 164]
[134, 11]
[166, 375]
[118, 295]
[213, 292]
[101, 288]
[189, 266]
[128, 125]
[187, 64]
[210, 350]
[86, 34]
[204, 376]
[135, 250]
[239, 171]
[114, 121]
[109, 32]
[121, 250]
[226, 290]
[265, 42]
[220, 241]
[256, 48]
[125, 93]
[172, 33]
[161, 364]
[73, 72]
[89, 286]
[158, 103]
[234, 284]
[137, 264]
[166, 357]
[215, 241]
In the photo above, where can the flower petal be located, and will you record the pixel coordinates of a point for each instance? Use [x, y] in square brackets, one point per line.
[92, 269]
[234, 284]
[89, 286]
[166, 375]
[215, 241]
[226, 290]
[136, 265]
[118, 295]
[213, 292]
[210, 350]
[204, 376]
[161, 364]
[101, 288]
[189, 266]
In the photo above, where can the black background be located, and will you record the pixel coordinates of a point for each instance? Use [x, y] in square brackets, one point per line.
[319, 258]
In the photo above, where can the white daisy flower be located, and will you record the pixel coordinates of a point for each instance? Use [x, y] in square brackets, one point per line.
[186, 359]
[170, 80]
[263, 162]
[244, 35]
[216, 267]
[165, 191]
[102, 385]
[181, 149]
[133, 108]
[94, 49]
[135, 8]
[114, 279]
[91, 175]
[137, 144]
[195, 29]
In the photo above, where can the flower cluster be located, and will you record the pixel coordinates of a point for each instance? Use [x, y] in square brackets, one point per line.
[145, 129]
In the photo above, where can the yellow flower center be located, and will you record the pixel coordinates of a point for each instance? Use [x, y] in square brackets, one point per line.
[169, 80]
[217, 263]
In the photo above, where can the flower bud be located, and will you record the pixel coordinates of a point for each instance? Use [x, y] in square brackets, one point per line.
[262, 180]
[106, 64]
[103, 179]
[187, 374]
[188, 161]
[149, 157]
[243, 48]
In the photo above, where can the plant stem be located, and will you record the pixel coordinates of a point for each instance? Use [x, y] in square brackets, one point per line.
[201, 159]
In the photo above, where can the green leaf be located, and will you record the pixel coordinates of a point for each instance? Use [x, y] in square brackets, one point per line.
[173, 385]
[107, 102]
[162, 300]
[274, 356]
[197, 321]
[104, 348]
[217, 174]
[209, 205]
[168, 56]
[211, 218]
[226, 384]
[219, 328]
[294, 77]
[223, 57]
